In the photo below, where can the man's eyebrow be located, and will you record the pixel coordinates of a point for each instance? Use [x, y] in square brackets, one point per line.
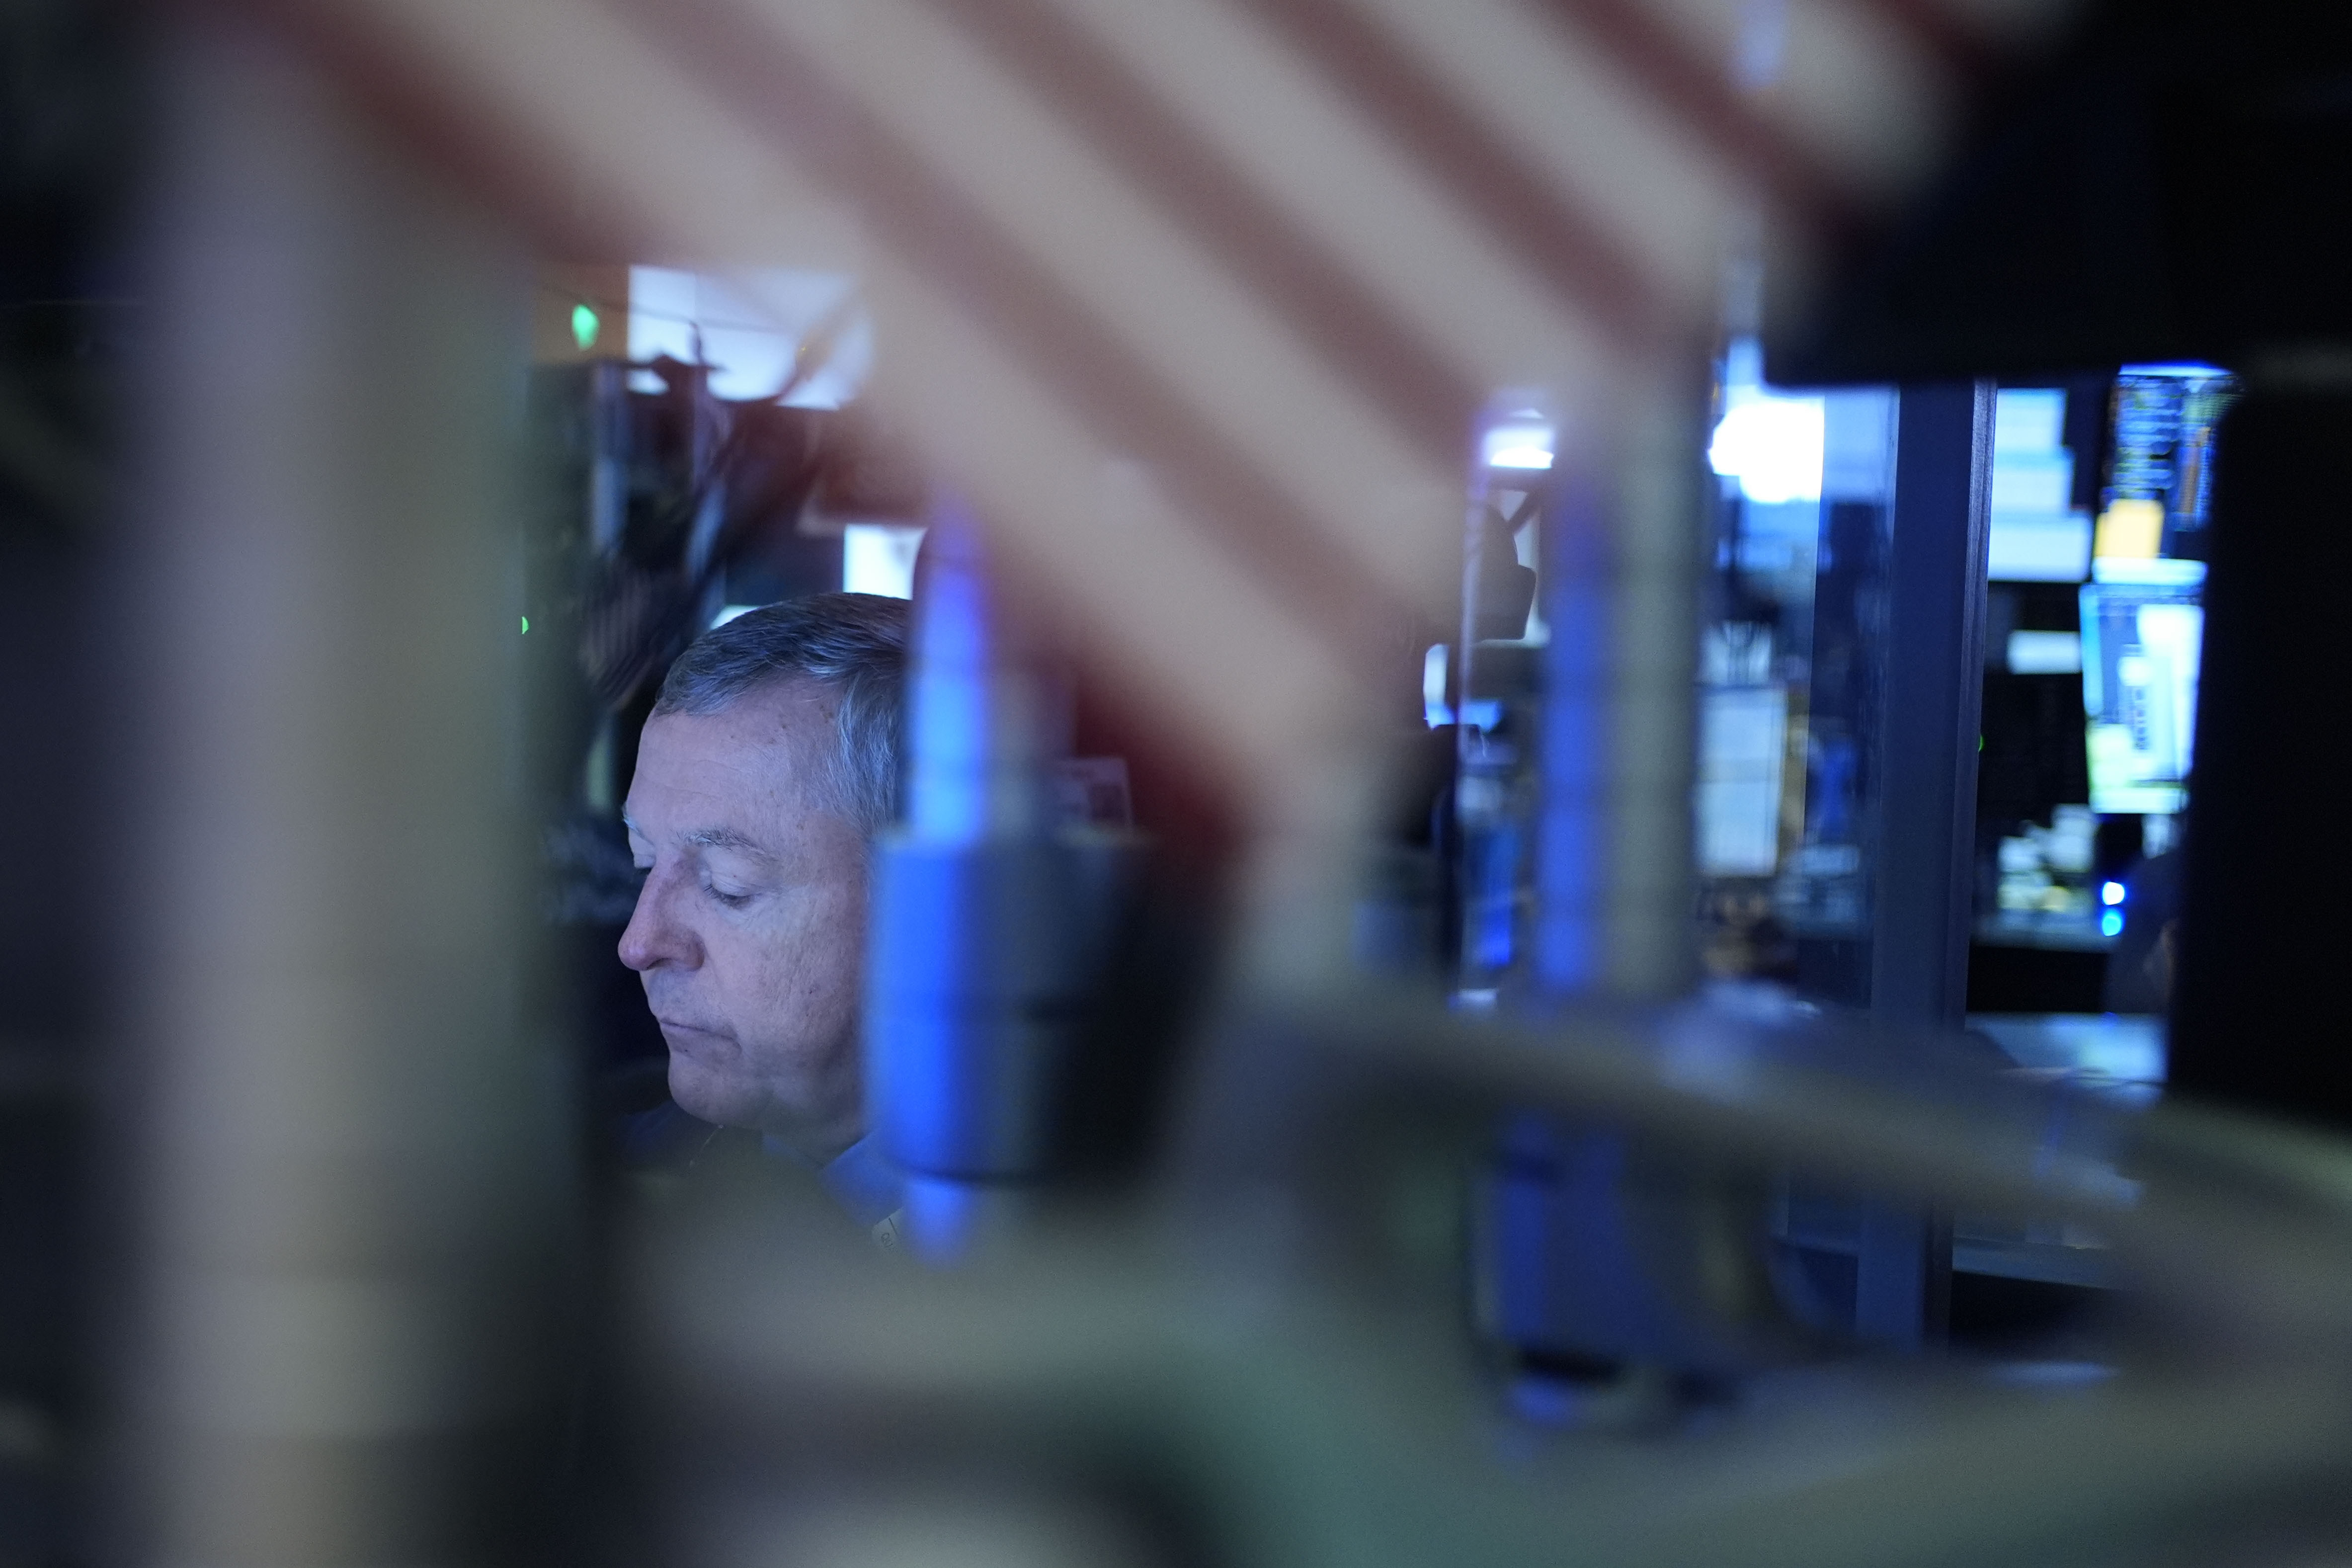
[725, 838]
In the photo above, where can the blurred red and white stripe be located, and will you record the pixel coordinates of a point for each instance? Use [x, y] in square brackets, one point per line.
[1197, 300]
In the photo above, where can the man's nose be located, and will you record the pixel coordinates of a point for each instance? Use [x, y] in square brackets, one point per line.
[654, 937]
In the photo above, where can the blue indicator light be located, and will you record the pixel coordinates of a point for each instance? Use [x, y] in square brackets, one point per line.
[2111, 923]
[2111, 893]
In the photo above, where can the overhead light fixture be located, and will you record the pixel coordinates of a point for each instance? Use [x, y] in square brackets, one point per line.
[1772, 446]
[1518, 447]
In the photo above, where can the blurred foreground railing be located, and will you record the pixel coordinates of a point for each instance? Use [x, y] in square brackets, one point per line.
[1278, 1365]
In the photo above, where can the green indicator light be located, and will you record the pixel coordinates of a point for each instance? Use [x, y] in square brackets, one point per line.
[583, 326]
[526, 626]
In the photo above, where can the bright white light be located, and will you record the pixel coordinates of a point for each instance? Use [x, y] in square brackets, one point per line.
[2155, 573]
[1772, 446]
[2044, 653]
[1518, 447]
[2111, 892]
[729, 612]
[879, 558]
[748, 326]
[2028, 419]
[1434, 710]
[2027, 547]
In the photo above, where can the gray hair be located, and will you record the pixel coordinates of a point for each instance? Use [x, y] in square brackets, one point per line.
[853, 645]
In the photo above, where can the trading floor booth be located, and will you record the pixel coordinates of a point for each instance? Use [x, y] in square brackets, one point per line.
[1950, 693]
[2014, 709]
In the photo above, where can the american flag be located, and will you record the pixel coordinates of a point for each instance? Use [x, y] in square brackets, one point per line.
[1197, 301]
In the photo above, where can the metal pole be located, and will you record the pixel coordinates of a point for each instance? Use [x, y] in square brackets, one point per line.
[1926, 800]
[1613, 920]
[1621, 566]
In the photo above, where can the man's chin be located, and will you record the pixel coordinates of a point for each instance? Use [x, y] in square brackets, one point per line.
[709, 1097]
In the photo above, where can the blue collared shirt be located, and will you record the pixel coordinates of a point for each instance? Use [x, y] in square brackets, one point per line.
[869, 1187]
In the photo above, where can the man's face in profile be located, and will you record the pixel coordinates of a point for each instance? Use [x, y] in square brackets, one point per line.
[750, 929]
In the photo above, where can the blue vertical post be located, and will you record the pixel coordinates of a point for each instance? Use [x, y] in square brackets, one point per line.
[1613, 919]
[1926, 830]
[974, 967]
[1573, 849]
[1614, 882]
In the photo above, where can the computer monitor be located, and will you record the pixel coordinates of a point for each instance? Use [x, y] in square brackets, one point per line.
[2143, 631]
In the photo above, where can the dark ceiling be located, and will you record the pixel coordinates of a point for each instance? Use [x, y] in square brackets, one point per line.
[2175, 182]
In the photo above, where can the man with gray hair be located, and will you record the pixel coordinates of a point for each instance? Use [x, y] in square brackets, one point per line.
[770, 760]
